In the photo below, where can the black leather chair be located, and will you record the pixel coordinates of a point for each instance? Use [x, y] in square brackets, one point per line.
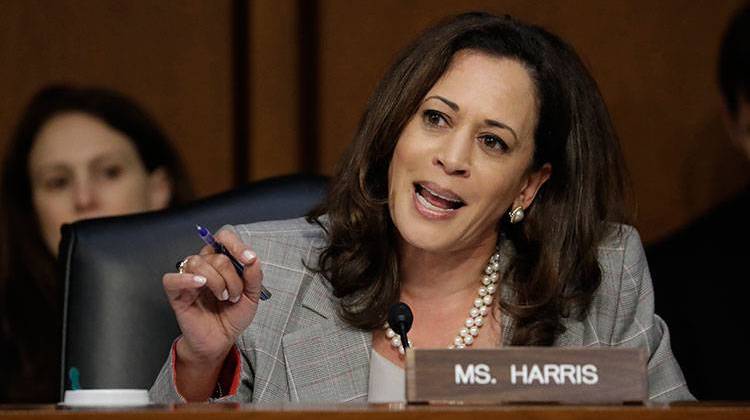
[118, 325]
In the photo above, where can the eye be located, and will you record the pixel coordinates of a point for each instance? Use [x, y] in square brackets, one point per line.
[112, 172]
[493, 142]
[434, 118]
[56, 183]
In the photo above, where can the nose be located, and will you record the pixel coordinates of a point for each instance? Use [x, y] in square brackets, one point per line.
[454, 155]
[84, 196]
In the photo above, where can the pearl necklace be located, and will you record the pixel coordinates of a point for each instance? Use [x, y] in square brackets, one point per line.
[468, 333]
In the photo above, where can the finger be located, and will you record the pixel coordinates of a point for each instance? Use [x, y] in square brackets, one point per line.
[215, 281]
[206, 250]
[233, 282]
[252, 278]
[236, 247]
[176, 284]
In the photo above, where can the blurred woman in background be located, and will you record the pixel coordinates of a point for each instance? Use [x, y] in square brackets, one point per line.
[77, 153]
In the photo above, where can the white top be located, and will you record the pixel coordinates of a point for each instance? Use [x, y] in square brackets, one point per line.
[387, 381]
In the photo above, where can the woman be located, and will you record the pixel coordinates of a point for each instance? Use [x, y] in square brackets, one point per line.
[76, 154]
[484, 188]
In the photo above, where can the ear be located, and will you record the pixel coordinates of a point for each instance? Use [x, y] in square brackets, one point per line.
[531, 186]
[159, 189]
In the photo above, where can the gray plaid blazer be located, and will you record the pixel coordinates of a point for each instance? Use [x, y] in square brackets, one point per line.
[298, 349]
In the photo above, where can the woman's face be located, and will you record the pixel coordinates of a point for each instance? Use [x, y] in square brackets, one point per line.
[463, 159]
[82, 168]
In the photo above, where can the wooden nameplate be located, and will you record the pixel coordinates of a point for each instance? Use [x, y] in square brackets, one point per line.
[527, 374]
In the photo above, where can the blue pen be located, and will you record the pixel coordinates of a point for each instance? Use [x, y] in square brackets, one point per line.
[208, 238]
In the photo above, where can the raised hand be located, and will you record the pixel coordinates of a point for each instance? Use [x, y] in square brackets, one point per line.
[213, 305]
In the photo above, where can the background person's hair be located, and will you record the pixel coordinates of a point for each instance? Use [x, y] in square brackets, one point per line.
[555, 271]
[734, 61]
[29, 293]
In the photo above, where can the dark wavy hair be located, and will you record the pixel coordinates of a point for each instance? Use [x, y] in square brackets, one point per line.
[734, 60]
[29, 293]
[554, 272]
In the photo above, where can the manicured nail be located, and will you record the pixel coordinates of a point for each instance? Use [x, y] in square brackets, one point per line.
[199, 280]
[235, 299]
[249, 256]
[224, 295]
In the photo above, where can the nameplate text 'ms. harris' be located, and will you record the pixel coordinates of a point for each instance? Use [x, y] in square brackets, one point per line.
[527, 374]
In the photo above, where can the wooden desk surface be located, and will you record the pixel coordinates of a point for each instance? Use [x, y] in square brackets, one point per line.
[697, 411]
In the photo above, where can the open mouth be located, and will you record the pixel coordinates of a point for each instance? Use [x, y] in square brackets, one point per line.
[437, 201]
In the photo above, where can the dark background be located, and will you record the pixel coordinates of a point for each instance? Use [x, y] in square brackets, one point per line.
[253, 89]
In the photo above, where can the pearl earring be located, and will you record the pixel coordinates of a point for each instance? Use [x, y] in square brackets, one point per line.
[516, 215]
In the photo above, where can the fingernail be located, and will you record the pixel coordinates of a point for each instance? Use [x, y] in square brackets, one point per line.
[200, 280]
[224, 295]
[235, 299]
[249, 256]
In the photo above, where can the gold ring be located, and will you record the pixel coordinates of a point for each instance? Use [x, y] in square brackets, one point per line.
[181, 265]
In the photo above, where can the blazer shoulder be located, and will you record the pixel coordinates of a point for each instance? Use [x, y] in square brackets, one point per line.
[287, 249]
[295, 234]
[621, 251]
[297, 226]
[620, 237]
[625, 290]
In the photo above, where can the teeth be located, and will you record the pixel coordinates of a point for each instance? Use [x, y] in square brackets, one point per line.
[432, 207]
[444, 198]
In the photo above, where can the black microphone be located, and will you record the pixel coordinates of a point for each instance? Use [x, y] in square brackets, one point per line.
[400, 319]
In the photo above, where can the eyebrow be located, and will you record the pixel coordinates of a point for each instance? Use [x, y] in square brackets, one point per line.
[454, 106]
[49, 167]
[97, 160]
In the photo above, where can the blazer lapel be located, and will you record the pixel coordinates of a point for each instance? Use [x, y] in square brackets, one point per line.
[327, 361]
